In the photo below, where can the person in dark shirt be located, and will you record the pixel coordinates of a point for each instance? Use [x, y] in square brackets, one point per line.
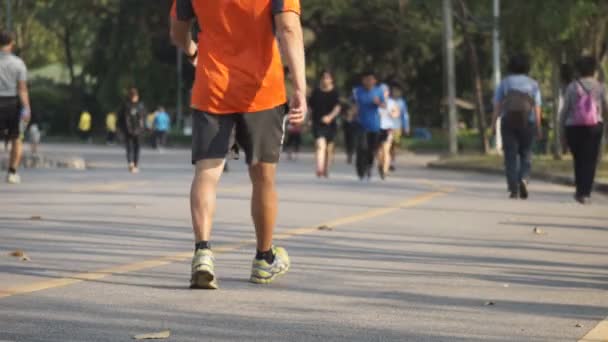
[131, 117]
[325, 105]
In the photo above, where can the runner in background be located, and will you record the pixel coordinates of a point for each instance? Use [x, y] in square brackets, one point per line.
[85, 125]
[162, 124]
[349, 130]
[369, 97]
[131, 117]
[111, 121]
[401, 124]
[387, 115]
[325, 106]
[14, 102]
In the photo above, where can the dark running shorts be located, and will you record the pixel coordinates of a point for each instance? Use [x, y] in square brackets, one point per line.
[324, 131]
[385, 135]
[259, 134]
[9, 118]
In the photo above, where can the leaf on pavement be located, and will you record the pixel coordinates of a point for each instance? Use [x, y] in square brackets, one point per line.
[539, 231]
[153, 336]
[489, 304]
[20, 254]
[326, 228]
[36, 218]
[578, 325]
[17, 253]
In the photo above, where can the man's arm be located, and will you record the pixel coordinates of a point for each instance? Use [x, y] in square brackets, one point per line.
[538, 111]
[182, 17]
[24, 96]
[291, 43]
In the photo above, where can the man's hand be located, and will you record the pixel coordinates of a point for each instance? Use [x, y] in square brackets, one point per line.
[26, 114]
[327, 119]
[297, 108]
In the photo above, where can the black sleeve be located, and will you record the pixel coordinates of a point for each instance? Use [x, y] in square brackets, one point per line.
[184, 10]
[336, 98]
[312, 102]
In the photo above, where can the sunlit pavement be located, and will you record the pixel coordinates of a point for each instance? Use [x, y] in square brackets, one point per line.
[424, 256]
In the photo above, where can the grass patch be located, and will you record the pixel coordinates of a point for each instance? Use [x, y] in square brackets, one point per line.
[540, 164]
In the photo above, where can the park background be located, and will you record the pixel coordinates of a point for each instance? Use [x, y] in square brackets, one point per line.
[82, 54]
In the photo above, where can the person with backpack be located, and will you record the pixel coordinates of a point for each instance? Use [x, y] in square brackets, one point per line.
[131, 116]
[585, 103]
[517, 102]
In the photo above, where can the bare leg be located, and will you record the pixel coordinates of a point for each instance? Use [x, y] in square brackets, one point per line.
[203, 196]
[329, 158]
[15, 158]
[386, 151]
[263, 203]
[321, 154]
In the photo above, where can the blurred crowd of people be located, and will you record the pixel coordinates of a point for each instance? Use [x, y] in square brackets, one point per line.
[374, 119]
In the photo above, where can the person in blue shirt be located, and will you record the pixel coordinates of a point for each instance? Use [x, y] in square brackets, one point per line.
[517, 102]
[368, 97]
[162, 124]
[401, 124]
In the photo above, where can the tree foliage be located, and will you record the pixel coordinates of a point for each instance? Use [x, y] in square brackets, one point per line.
[107, 45]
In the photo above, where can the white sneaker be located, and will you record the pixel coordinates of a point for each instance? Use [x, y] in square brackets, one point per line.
[13, 178]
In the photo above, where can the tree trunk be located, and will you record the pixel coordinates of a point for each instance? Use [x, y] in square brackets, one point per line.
[69, 58]
[558, 100]
[474, 60]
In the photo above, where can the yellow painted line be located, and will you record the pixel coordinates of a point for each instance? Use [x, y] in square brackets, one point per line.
[597, 334]
[138, 266]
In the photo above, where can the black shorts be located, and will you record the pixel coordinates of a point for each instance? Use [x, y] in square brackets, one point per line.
[9, 117]
[324, 131]
[259, 134]
[385, 135]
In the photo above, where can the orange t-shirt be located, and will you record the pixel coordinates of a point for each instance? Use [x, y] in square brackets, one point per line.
[239, 66]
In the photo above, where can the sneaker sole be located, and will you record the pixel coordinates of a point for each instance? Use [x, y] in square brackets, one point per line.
[263, 281]
[203, 280]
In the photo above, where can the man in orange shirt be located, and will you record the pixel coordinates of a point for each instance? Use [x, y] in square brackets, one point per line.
[239, 84]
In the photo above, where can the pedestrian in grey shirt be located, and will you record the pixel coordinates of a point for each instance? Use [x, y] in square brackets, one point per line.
[14, 102]
[582, 116]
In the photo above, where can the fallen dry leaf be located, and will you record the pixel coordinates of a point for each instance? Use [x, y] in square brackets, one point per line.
[36, 218]
[153, 336]
[17, 253]
[328, 228]
[20, 254]
[489, 304]
[539, 231]
[578, 325]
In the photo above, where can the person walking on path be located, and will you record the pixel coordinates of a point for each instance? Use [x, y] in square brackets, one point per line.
[131, 117]
[14, 103]
[582, 124]
[349, 129]
[111, 126]
[85, 124]
[369, 97]
[162, 124]
[325, 106]
[33, 132]
[239, 83]
[387, 124]
[517, 101]
[401, 125]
